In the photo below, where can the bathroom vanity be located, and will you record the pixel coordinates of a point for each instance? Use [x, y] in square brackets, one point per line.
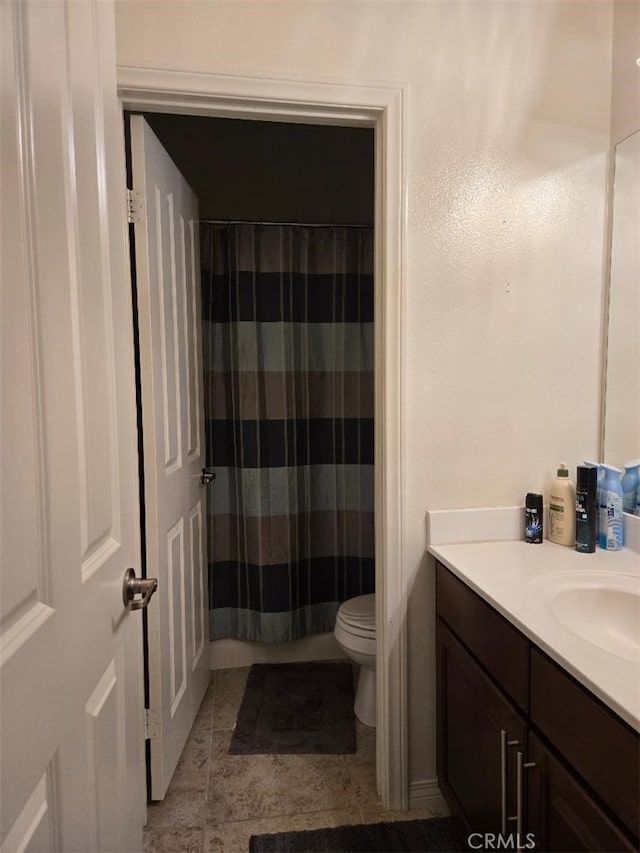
[538, 699]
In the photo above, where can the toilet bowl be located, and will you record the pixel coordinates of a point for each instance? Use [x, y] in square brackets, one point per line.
[355, 632]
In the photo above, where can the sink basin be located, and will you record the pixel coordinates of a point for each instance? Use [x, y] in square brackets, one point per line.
[603, 609]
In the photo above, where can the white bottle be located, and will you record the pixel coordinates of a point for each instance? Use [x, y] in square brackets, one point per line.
[562, 509]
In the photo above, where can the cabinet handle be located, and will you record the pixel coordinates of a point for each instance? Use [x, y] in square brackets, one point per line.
[520, 766]
[504, 743]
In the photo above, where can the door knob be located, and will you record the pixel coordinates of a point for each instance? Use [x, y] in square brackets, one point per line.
[133, 586]
[207, 476]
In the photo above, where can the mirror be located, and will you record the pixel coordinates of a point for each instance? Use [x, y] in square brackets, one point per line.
[622, 375]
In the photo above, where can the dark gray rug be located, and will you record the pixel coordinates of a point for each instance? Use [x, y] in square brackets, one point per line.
[296, 708]
[438, 835]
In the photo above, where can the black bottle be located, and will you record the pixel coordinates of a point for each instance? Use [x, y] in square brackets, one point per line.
[586, 509]
[533, 518]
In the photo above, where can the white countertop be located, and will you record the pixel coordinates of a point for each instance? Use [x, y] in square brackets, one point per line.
[515, 578]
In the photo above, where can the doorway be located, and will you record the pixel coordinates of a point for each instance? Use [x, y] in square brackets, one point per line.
[285, 213]
[382, 108]
[286, 222]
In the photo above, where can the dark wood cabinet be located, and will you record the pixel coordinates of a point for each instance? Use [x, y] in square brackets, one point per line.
[501, 649]
[561, 814]
[598, 745]
[521, 745]
[479, 732]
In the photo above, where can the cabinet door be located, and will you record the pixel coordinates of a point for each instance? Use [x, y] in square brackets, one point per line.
[568, 715]
[562, 815]
[472, 715]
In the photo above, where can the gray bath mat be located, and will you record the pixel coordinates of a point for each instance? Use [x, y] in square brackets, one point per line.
[438, 835]
[296, 708]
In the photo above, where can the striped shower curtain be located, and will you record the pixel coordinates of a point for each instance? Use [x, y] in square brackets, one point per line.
[288, 340]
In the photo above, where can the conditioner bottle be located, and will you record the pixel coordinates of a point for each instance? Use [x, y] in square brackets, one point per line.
[562, 509]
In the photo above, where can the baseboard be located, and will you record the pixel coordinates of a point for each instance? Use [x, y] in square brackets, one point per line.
[426, 795]
[229, 654]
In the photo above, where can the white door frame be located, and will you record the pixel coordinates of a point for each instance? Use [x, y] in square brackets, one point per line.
[383, 108]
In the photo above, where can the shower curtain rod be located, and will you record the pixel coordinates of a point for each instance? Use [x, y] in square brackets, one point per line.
[301, 224]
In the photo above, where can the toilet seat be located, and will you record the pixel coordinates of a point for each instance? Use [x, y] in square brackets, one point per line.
[357, 616]
[355, 630]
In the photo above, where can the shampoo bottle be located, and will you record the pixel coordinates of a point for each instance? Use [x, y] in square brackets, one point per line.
[611, 523]
[630, 483]
[586, 509]
[562, 509]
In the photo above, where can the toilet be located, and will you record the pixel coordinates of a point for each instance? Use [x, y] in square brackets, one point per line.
[355, 632]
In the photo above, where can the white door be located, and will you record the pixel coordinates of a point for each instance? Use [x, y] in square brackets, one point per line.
[71, 740]
[168, 283]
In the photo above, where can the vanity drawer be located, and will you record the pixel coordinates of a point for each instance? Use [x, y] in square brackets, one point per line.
[496, 644]
[598, 745]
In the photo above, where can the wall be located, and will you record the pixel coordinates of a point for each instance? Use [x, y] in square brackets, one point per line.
[508, 122]
[272, 171]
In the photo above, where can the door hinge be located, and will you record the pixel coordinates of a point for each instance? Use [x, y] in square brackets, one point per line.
[151, 724]
[135, 208]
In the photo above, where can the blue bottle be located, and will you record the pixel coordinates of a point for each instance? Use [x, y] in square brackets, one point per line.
[630, 483]
[611, 521]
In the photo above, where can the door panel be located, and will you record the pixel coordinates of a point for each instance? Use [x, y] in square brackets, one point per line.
[71, 746]
[105, 727]
[193, 322]
[199, 600]
[168, 279]
[177, 614]
[33, 830]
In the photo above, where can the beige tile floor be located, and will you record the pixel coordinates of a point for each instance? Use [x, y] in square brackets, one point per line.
[217, 801]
